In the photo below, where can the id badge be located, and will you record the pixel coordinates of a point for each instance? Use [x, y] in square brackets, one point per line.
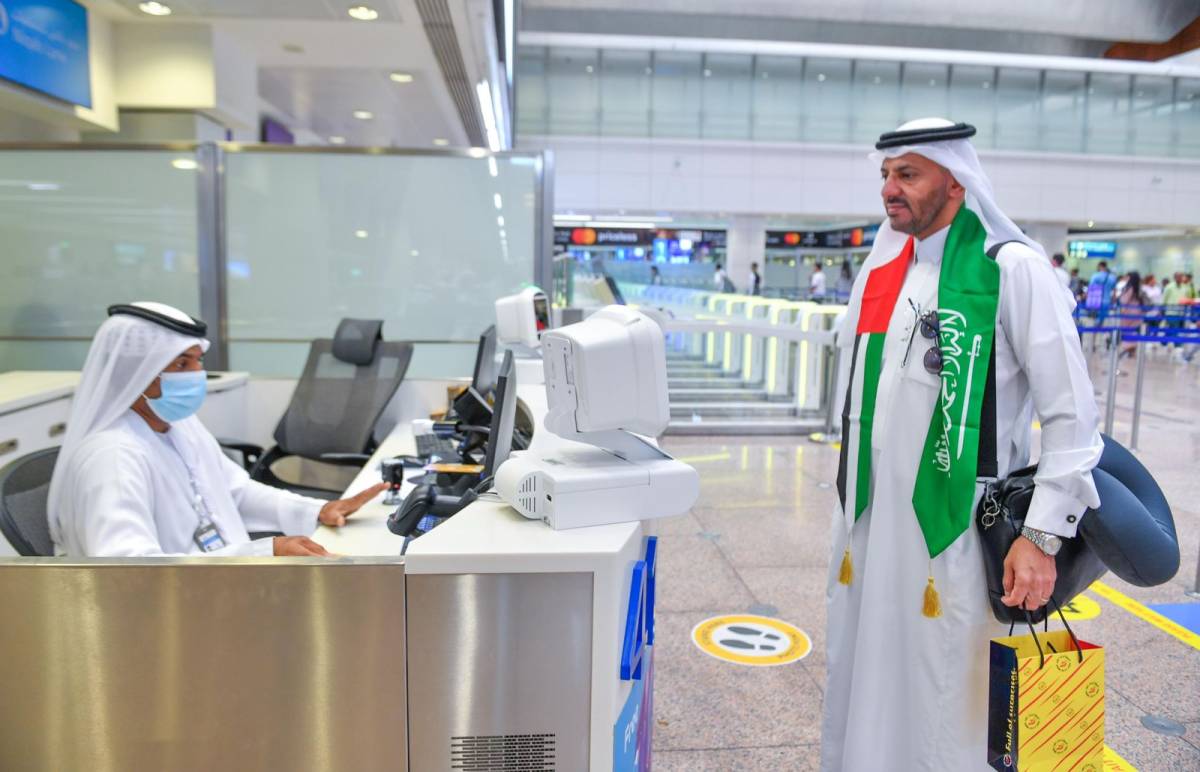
[207, 537]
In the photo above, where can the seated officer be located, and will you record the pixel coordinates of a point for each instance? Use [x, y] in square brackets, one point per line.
[138, 474]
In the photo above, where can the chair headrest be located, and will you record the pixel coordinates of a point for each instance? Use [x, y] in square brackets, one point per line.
[356, 339]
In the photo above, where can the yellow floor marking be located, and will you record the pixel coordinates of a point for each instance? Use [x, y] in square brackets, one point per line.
[1114, 763]
[702, 459]
[1146, 615]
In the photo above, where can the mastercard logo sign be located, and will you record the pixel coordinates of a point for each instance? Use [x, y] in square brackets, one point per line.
[791, 239]
[583, 236]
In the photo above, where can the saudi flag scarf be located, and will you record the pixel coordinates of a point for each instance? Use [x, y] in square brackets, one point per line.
[968, 295]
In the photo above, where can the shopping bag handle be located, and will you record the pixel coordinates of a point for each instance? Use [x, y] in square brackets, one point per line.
[1033, 632]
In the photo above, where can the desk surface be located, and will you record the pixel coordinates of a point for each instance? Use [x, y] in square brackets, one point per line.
[486, 537]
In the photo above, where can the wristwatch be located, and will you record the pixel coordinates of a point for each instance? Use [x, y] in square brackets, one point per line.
[1048, 543]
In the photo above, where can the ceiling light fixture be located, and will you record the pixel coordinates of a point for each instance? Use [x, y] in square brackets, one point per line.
[154, 8]
[185, 164]
[440, 142]
[337, 140]
[500, 221]
[492, 168]
[488, 110]
[400, 77]
[499, 202]
[477, 152]
[362, 13]
[361, 234]
[363, 115]
[1091, 223]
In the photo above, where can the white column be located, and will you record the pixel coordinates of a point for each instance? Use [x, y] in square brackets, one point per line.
[1051, 235]
[746, 242]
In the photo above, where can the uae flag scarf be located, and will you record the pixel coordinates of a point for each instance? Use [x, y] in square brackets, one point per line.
[968, 296]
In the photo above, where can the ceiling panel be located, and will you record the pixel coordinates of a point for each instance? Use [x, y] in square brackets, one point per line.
[389, 10]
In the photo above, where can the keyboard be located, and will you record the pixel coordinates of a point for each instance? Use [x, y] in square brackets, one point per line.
[430, 445]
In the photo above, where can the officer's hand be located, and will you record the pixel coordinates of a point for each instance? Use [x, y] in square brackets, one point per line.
[334, 513]
[298, 547]
[1029, 576]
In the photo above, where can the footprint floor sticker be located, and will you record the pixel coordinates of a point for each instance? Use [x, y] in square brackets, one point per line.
[747, 639]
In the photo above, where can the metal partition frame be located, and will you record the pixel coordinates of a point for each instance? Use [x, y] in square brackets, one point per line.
[211, 214]
[203, 663]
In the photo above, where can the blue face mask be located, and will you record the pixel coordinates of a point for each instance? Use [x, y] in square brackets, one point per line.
[182, 395]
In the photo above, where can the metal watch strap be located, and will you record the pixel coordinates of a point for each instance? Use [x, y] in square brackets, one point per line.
[1039, 538]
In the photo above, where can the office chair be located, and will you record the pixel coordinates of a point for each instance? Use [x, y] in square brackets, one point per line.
[24, 484]
[346, 384]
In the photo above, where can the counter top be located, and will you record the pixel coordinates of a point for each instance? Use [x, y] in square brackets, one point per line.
[25, 388]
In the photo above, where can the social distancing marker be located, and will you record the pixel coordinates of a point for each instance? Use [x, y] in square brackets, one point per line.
[1121, 600]
[1081, 608]
[748, 639]
[1114, 763]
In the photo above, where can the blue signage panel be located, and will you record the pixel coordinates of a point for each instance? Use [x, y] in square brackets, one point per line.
[44, 46]
[1088, 249]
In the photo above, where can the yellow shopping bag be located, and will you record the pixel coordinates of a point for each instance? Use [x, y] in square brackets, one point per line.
[1046, 704]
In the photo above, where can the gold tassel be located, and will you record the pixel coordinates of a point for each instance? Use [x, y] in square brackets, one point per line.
[933, 603]
[846, 575]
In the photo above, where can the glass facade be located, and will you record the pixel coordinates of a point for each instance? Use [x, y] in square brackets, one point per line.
[725, 96]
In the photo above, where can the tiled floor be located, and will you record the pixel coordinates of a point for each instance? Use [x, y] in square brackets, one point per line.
[757, 542]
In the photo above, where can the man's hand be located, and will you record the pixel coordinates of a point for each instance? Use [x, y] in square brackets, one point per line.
[1029, 576]
[298, 547]
[334, 513]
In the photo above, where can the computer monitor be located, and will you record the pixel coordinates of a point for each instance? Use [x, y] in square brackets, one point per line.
[483, 380]
[504, 414]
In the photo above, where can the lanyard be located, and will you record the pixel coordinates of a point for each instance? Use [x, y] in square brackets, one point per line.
[206, 536]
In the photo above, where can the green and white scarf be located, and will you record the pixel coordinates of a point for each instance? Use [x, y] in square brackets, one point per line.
[968, 296]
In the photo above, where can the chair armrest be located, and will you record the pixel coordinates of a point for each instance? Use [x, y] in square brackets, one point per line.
[345, 459]
[250, 452]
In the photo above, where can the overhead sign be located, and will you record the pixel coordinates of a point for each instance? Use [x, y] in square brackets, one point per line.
[747, 639]
[588, 236]
[840, 238]
[1087, 249]
[44, 46]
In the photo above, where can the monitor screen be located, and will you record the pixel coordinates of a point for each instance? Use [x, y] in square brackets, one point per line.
[484, 378]
[504, 414]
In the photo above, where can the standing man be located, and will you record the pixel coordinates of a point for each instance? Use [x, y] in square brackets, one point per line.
[755, 280]
[1064, 278]
[720, 279]
[1101, 288]
[816, 284]
[954, 309]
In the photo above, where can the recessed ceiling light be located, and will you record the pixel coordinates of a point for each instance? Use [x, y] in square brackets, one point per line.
[821, 77]
[44, 186]
[185, 164]
[492, 168]
[477, 152]
[590, 68]
[154, 8]
[400, 77]
[337, 140]
[361, 234]
[416, 253]
[363, 115]
[500, 221]
[1091, 223]
[362, 13]
[441, 142]
[499, 202]
[708, 73]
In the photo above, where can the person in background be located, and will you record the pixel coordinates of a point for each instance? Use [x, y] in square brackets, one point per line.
[1154, 292]
[655, 276]
[1063, 277]
[755, 280]
[1130, 301]
[845, 281]
[816, 283]
[139, 475]
[1078, 286]
[1100, 293]
[1120, 288]
[719, 279]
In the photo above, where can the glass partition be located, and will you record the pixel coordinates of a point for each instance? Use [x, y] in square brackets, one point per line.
[426, 242]
[83, 229]
[686, 94]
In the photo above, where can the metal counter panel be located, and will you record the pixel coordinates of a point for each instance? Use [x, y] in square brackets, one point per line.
[202, 664]
[499, 669]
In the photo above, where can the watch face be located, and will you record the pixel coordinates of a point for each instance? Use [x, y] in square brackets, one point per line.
[1053, 545]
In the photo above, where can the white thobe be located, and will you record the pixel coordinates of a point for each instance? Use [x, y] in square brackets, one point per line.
[132, 495]
[904, 691]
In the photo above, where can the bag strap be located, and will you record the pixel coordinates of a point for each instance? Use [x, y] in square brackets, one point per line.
[988, 465]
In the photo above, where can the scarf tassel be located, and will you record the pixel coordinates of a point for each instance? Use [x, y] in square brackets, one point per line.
[933, 602]
[846, 574]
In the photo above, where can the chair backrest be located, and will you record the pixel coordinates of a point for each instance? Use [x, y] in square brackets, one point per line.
[24, 484]
[338, 402]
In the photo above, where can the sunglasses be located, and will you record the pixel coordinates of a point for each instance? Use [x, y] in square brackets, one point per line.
[930, 326]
